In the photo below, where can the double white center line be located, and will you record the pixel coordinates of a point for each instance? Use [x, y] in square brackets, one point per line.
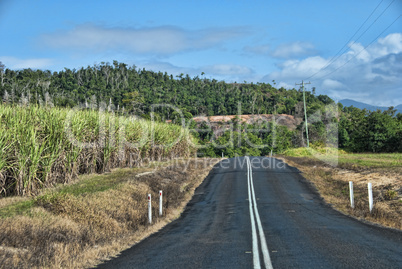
[255, 216]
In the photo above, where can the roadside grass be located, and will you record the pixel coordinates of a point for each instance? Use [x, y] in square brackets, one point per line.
[80, 224]
[85, 185]
[384, 171]
[306, 152]
[98, 183]
[16, 208]
[352, 161]
[371, 160]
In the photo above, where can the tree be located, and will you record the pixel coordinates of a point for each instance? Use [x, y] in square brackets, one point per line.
[2, 67]
[382, 129]
[135, 100]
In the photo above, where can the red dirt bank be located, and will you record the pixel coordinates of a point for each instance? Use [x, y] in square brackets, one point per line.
[282, 119]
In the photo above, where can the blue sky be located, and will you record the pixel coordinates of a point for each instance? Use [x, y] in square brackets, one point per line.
[237, 40]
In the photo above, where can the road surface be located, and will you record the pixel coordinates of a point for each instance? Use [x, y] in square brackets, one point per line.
[255, 212]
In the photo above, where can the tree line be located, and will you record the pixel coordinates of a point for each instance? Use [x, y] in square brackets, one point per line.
[372, 131]
[129, 89]
[137, 89]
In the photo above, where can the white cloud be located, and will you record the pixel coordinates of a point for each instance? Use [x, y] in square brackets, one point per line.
[357, 50]
[390, 44]
[228, 69]
[161, 40]
[332, 84]
[259, 49]
[298, 69]
[227, 72]
[369, 75]
[283, 51]
[285, 85]
[35, 63]
[389, 65]
[295, 49]
[169, 68]
[338, 95]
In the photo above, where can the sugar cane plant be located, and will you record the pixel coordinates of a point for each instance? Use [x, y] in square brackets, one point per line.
[41, 146]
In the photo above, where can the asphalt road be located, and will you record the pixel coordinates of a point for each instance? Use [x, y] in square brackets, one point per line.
[239, 207]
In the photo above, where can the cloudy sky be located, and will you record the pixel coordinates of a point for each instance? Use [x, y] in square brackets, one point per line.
[347, 49]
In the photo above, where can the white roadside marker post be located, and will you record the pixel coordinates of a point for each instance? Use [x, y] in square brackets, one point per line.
[370, 193]
[160, 203]
[149, 209]
[352, 201]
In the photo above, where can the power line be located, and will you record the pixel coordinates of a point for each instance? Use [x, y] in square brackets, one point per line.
[362, 49]
[373, 22]
[335, 57]
[338, 54]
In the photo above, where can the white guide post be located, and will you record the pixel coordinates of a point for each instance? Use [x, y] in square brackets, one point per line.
[149, 209]
[370, 193]
[352, 201]
[160, 203]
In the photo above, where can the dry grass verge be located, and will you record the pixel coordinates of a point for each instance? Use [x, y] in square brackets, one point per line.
[333, 185]
[81, 224]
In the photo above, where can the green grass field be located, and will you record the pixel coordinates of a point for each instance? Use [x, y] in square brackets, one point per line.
[350, 160]
[374, 160]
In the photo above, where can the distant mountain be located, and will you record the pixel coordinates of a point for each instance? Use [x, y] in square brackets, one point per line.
[349, 102]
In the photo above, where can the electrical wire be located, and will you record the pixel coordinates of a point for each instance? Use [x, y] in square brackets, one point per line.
[373, 23]
[362, 49]
[338, 54]
[335, 57]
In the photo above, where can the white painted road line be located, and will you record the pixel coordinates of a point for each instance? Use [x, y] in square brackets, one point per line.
[256, 254]
[264, 247]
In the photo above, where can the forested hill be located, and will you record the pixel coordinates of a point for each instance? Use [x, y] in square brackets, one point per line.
[137, 89]
[360, 105]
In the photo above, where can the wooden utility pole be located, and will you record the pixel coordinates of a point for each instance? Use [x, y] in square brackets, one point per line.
[305, 110]
[273, 130]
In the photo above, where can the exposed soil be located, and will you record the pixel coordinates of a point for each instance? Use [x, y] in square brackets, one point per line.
[282, 119]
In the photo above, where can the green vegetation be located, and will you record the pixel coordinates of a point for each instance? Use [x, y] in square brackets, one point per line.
[128, 90]
[16, 208]
[95, 183]
[81, 224]
[41, 146]
[246, 139]
[137, 90]
[86, 185]
[373, 160]
[333, 184]
[366, 131]
[308, 152]
[391, 195]
[354, 161]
